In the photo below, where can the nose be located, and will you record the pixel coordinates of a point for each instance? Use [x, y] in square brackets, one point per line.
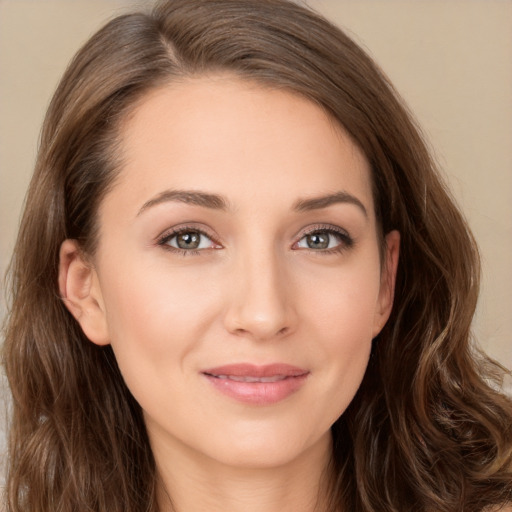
[261, 303]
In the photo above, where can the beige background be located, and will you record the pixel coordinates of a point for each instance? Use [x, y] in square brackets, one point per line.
[450, 59]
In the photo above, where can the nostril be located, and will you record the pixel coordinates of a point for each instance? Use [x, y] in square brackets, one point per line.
[260, 333]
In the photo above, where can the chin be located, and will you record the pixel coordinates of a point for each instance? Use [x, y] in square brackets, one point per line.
[266, 448]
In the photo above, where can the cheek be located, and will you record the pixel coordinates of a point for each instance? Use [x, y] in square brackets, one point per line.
[339, 312]
[156, 317]
[342, 303]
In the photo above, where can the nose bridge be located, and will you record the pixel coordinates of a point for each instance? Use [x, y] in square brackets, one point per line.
[261, 303]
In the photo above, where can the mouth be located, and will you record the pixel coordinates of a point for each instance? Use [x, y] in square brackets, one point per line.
[257, 385]
[248, 378]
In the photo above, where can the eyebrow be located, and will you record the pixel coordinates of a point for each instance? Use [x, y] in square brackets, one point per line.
[194, 197]
[317, 203]
[218, 202]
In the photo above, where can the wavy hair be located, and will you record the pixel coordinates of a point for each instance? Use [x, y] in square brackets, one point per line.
[427, 429]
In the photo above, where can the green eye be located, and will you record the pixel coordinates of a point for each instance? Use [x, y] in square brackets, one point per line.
[189, 240]
[318, 240]
[324, 239]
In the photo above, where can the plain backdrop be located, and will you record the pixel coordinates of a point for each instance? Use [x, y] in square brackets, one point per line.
[450, 59]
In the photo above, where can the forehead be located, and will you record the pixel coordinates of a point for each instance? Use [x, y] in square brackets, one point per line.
[234, 137]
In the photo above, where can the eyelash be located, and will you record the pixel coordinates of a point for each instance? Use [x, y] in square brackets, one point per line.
[163, 241]
[346, 241]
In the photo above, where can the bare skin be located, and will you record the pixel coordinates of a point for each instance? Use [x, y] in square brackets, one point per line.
[241, 233]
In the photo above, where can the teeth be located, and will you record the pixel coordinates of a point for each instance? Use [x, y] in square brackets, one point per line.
[274, 378]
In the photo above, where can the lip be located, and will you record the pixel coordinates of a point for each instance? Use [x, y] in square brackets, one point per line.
[254, 384]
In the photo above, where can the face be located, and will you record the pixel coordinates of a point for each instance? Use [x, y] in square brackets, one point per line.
[238, 276]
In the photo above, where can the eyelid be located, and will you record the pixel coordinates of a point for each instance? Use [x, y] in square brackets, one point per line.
[347, 241]
[323, 227]
[169, 233]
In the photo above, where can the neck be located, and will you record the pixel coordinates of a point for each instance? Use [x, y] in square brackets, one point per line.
[191, 482]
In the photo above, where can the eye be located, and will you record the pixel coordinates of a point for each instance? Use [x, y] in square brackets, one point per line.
[325, 240]
[188, 240]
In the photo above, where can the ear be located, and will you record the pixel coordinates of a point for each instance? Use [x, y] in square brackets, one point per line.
[80, 291]
[387, 281]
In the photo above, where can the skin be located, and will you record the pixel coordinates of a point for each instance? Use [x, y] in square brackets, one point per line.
[258, 290]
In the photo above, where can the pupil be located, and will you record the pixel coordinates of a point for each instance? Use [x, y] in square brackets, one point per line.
[188, 240]
[318, 241]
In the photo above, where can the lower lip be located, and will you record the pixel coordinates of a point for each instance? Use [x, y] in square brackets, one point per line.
[258, 393]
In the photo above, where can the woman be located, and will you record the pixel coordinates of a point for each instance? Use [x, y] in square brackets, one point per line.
[250, 289]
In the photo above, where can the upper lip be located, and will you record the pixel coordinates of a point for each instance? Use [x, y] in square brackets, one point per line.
[252, 370]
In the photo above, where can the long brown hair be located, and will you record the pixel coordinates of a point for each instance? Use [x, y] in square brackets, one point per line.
[426, 431]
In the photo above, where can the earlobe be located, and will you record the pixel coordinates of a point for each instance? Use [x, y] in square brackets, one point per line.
[81, 294]
[388, 279]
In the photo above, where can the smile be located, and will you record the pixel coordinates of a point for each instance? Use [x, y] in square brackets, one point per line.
[257, 385]
[251, 379]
